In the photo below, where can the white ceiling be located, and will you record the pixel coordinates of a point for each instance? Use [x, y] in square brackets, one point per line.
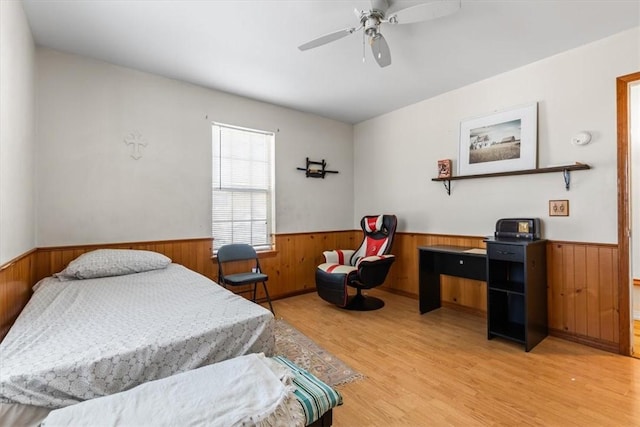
[249, 48]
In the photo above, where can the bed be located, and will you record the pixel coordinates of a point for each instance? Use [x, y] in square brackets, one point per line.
[114, 319]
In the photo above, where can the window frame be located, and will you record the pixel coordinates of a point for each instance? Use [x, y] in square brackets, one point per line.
[269, 244]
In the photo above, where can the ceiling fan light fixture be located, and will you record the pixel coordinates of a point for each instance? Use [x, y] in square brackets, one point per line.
[371, 19]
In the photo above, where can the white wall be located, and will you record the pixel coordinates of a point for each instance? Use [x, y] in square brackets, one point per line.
[92, 191]
[17, 101]
[396, 154]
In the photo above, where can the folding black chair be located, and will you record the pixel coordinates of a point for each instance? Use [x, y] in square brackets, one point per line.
[242, 252]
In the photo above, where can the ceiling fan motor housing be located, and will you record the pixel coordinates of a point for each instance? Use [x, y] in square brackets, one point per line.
[379, 7]
[371, 19]
[371, 25]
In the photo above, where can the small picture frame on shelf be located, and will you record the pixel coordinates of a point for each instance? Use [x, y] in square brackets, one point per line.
[444, 168]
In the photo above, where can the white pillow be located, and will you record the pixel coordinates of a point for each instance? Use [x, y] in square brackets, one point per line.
[113, 262]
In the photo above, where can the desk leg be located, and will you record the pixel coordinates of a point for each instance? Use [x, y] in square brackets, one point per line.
[429, 291]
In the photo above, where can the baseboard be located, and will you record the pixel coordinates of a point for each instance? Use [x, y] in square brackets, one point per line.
[457, 307]
[463, 308]
[399, 292]
[591, 342]
[289, 294]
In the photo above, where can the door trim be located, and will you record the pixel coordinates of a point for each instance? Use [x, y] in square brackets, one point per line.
[624, 208]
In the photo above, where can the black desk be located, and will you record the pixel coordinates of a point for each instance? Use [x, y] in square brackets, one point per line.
[450, 260]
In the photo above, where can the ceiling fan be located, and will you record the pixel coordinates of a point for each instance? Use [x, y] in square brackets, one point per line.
[370, 21]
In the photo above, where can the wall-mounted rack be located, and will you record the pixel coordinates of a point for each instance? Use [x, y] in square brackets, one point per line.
[316, 169]
[565, 169]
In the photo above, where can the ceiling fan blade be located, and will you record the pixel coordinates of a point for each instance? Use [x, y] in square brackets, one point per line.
[380, 50]
[424, 12]
[327, 38]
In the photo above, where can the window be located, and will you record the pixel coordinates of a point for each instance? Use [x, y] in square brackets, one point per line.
[242, 186]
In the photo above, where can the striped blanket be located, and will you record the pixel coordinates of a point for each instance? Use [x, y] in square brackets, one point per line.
[315, 396]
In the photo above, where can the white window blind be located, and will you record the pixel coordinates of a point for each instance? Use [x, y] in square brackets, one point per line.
[242, 186]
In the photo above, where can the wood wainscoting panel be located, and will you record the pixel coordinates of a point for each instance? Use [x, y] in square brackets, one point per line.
[16, 279]
[582, 280]
[291, 267]
[192, 253]
[582, 277]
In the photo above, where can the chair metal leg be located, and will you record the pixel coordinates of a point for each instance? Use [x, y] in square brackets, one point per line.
[255, 286]
[266, 292]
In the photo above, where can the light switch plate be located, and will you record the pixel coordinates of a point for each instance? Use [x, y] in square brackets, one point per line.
[558, 208]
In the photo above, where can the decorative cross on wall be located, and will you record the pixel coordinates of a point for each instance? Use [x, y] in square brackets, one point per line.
[136, 140]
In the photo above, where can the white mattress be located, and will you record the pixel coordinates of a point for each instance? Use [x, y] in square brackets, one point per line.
[81, 339]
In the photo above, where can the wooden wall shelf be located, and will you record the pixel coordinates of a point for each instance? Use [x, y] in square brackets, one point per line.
[565, 169]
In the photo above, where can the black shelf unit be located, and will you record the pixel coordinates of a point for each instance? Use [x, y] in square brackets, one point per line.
[517, 291]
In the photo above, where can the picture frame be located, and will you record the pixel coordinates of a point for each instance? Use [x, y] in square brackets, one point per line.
[499, 142]
[444, 168]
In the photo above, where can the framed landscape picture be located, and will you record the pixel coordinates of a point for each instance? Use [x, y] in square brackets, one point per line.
[499, 142]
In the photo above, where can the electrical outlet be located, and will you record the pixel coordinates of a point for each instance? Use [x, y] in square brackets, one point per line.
[558, 208]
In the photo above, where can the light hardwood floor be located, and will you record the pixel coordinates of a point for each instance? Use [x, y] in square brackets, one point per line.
[439, 369]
